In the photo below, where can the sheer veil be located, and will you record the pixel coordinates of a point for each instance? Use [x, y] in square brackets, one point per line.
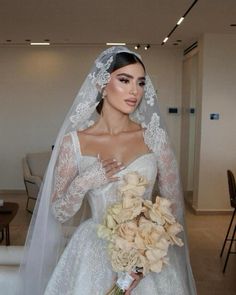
[46, 237]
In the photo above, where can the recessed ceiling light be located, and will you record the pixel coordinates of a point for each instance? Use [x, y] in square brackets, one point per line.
[27, 40]
[115, 43]
[8, 40]
[179, 40]
[175, 43]
[40, 43]
[233, 25]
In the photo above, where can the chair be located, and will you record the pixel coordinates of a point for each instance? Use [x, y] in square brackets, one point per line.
[232, 195]
[34, 167]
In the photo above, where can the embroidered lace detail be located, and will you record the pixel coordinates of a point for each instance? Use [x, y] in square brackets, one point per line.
[83, 112]
[150, 93]
[71, 188]
[154, 136]
[168, 175]
[100, 77]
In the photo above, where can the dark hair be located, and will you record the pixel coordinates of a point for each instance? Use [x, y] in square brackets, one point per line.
[121, 60]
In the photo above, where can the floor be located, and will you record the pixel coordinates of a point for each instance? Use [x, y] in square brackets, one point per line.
[205, 232]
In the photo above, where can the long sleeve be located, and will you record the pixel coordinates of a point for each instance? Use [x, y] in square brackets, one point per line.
[70, 186]
[168, 179]
[67, 194]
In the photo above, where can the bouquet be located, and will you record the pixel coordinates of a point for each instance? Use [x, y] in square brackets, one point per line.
[138, 232]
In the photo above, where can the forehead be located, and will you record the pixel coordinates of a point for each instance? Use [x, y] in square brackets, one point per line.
[136, 70]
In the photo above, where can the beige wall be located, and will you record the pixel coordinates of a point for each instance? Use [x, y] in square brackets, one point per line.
[38, 85]
[188, 124]
[216, 140]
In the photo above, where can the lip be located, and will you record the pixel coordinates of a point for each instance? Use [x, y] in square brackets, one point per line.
[131, 102]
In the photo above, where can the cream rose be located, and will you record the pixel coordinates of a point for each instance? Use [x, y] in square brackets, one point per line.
[124, 260]
[160, 211]
[172, 231]
[157, 257]
[135, 185]
[127, 230]
[149, 234]
[131, 208]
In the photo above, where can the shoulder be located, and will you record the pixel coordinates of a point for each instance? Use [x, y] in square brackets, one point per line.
[69, 141]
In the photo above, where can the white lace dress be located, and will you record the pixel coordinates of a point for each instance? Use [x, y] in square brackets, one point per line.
[84, 268]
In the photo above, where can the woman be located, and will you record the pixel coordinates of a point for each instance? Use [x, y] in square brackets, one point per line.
[112, 128]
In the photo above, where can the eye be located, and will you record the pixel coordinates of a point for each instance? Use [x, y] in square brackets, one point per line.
[142, 83]
[124, 80]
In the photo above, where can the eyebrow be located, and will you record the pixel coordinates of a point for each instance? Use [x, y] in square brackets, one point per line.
[130, 76]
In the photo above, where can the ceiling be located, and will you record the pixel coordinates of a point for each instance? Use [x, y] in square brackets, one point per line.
[99, 21]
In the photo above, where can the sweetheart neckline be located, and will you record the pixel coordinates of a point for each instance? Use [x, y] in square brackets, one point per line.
[75, 134]
[129, 164]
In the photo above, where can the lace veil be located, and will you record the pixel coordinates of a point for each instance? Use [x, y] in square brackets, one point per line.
[46, 237]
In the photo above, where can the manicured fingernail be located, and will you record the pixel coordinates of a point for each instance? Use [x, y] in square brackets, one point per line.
[114, 160]
[122, 167]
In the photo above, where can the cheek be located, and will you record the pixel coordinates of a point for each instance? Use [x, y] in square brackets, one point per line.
[115, 89]
[141, 94]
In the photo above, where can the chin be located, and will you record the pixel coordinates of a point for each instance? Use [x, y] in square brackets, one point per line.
[128, 110]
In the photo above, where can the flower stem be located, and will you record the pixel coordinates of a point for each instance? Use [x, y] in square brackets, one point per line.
[115, 290]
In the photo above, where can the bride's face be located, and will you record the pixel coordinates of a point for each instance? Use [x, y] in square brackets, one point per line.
[125, 88]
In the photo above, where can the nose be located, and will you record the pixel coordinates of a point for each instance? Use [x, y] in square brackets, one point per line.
[133, 89]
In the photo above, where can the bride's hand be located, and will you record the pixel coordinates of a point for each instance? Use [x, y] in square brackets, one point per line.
[111, 167]
[137, 278]
[98, 173]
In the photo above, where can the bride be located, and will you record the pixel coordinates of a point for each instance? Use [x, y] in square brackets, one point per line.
[113, 128]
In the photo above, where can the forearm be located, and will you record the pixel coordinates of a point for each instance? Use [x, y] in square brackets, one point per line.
[67, 200]
[66, 204]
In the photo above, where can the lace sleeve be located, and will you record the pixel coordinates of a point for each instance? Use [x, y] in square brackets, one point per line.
[66, 198]
[168, 179]
[70, 186]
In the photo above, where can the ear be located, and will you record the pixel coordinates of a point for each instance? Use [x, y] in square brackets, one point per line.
[104, 93]
[101, 89]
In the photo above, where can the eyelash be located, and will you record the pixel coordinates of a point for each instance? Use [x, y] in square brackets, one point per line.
[142, 84]
[126, 81]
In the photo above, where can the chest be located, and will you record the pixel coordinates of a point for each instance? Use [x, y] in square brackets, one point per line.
[123, 148]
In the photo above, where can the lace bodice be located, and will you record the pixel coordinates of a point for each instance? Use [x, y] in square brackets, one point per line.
[71, 189]
[77, 176]
[101, 198]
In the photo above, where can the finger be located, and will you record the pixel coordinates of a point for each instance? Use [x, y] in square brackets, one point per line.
[114, 167]
[137, 278]
[135, 275]
[108, 161]
[136, 281]
[114, 170]
[111, 165]
[113, 179]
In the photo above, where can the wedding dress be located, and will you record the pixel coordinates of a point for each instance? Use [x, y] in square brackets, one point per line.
[52, 265]
[84, 267]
